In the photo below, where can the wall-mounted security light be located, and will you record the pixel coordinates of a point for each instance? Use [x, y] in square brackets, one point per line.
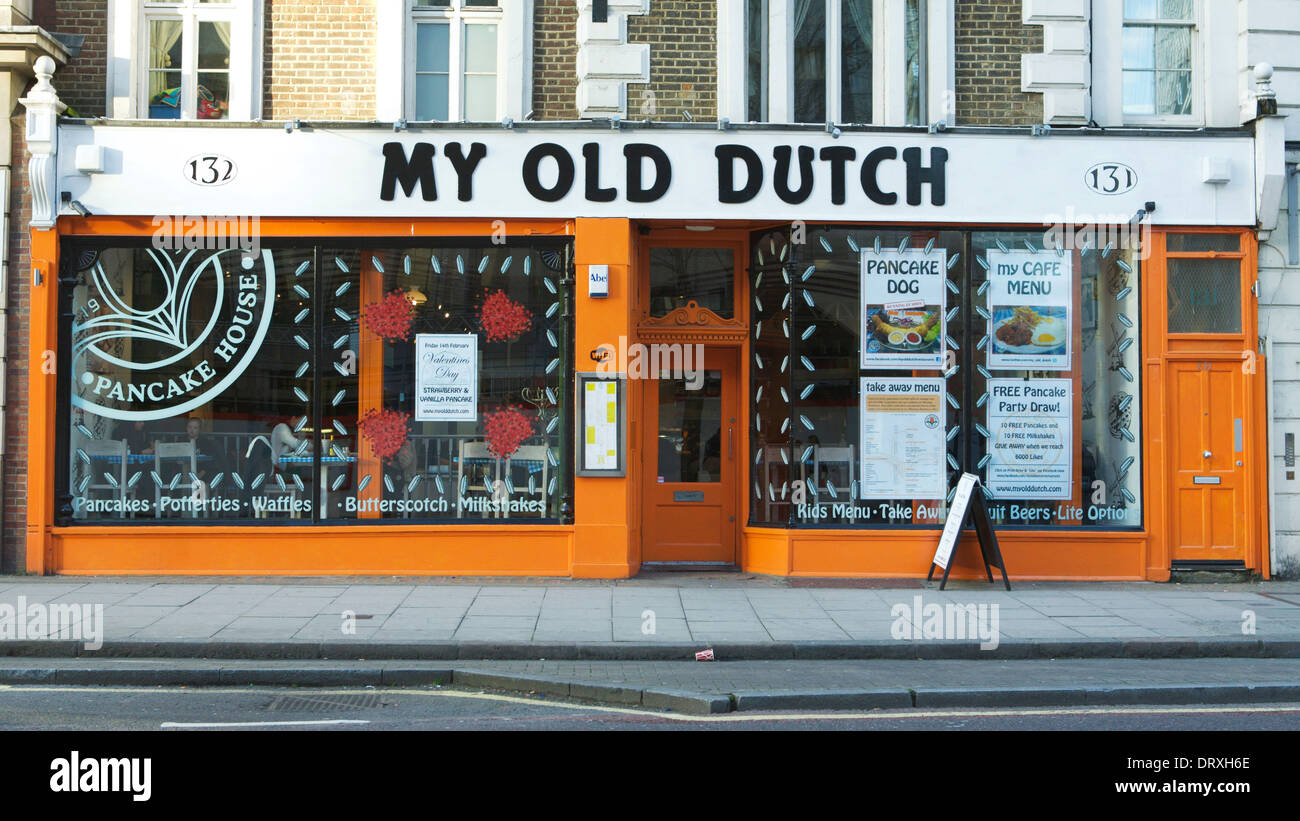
[724, 124]
[292, 126]
[939, 127]
[65, 197]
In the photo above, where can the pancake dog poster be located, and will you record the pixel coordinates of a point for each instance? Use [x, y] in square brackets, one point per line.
[904, 298]
[1029, 310]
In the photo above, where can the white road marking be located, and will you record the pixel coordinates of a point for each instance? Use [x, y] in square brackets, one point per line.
[187, 725]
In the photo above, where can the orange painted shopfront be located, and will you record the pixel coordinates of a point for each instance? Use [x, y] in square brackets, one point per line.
[708, 479]
[806, 339]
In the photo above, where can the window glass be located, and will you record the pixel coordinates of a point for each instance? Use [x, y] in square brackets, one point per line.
[480, 91]
[914, 57]
[1203, 242]
[769, 384]
[214, 70]
[461, 394]
[690, 428]
[1157, 59]
[705, 276]
[756, 56]
[855, 62]
[165, 69]
[1056, 378]
[344, 382]
[1204, 296]
[191, 380]
[833, 425]
[431, 71]
[810, 62]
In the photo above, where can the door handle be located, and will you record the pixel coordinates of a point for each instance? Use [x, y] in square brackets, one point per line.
[730, 452]
[1207, 454]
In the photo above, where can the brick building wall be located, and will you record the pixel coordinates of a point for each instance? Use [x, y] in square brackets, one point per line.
[82, 83]
[319, 60]
[683, 38]
[13, 538]
[990, 38]
[555, 60]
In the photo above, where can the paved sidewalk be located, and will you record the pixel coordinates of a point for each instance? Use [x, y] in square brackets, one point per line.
[671, 610]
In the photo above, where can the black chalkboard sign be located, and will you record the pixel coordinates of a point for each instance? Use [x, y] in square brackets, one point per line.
[968, 507]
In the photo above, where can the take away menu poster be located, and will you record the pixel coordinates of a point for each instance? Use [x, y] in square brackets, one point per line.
[1029, 310]
[903, 441]
[904, 297]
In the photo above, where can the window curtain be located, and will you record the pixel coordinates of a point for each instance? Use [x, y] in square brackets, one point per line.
[163, 34]
[860, 12]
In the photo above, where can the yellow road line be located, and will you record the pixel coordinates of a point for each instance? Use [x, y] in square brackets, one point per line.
[876, 715]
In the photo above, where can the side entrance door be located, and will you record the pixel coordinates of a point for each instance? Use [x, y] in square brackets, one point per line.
[691, 445]
[1207, 459]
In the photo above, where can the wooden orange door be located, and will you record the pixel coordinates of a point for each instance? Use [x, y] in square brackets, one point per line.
[692, 443]
[1207, 418]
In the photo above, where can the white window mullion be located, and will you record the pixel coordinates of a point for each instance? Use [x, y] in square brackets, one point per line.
[834, 60]
[455, 70]
[940, 74]
[189, 63]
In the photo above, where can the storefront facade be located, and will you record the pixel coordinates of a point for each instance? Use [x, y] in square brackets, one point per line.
[550, 350]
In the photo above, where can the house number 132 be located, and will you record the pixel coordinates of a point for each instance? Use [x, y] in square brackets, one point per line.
[209, 169]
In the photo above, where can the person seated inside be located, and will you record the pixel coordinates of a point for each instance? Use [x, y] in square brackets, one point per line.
[137, 436]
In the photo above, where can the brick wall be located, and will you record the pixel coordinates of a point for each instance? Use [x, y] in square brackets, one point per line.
[683, 38]
[555, 56]
[319, 60]
[13, 539]
[989, 41]
[82, 83]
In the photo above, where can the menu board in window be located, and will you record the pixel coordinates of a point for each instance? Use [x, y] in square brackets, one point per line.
[1029, 425]
[1029, 310]
[600, 439]
[904, 298]
[903, 439]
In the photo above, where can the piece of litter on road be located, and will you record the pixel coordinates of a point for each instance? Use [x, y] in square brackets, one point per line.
[705, 655]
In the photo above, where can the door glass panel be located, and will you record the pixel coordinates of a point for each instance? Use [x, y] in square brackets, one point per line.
[1203, 242]
[690, 428]
[1204, 296]
[702, 275]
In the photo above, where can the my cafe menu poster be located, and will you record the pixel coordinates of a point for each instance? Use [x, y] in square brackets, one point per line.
[904, 297]
[1029, 310]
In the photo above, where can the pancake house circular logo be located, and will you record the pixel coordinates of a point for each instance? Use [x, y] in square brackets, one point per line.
[168, 334]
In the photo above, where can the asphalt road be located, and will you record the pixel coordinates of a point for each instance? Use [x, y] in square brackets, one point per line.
[202, 709]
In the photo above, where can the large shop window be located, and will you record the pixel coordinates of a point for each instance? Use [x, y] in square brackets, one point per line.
[888, 362]
[317, 383]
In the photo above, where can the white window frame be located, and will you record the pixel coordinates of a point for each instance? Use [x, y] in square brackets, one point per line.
[395, 67]
[128, 53]
[889, 77]
[1216, 76]
[1195, 82]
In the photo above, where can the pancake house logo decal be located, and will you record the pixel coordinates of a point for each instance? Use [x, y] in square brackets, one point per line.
[198, 330]
[550, 172]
